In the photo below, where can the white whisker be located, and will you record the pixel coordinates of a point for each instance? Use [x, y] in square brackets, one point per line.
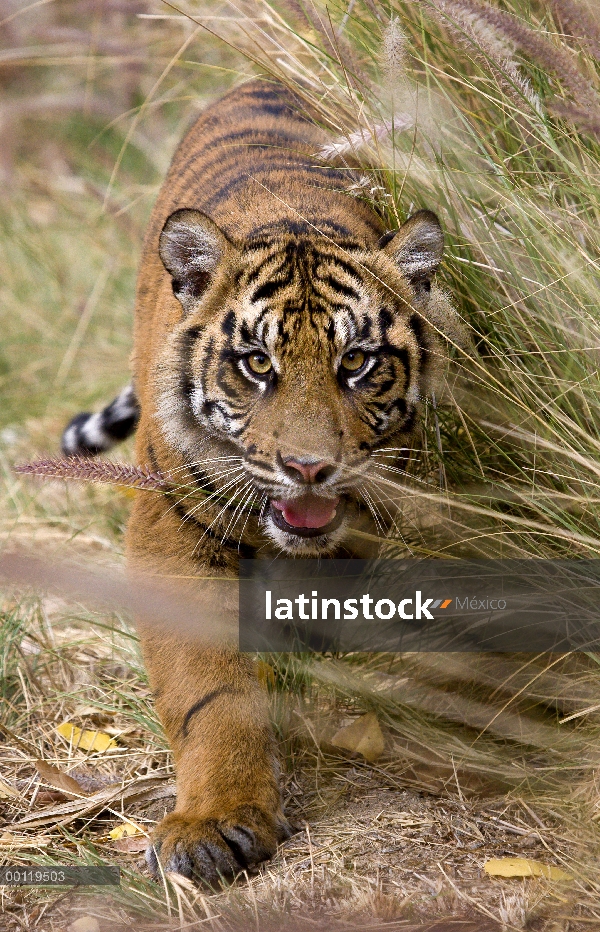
[263, 505]
[215, 519]
[236, 511]
[248, 513]
[388, 468]
[375, 496]
[397, 450]
[217, 494]
[398, 471]
[213, 476]
[393, 530]
[372, 508]
[393, 456]
[199, 464]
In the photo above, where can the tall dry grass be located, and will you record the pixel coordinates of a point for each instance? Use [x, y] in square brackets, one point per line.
[488, 113]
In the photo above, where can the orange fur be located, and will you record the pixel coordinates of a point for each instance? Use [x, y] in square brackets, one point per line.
[256, 247]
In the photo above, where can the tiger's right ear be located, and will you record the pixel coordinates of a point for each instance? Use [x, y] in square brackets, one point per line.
[191, 247]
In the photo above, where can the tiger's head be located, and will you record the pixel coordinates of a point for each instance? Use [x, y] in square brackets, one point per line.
[301, 356]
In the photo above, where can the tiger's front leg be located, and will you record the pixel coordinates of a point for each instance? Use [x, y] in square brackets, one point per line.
[228, 816]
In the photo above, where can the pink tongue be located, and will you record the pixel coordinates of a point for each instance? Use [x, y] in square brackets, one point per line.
[308, 511]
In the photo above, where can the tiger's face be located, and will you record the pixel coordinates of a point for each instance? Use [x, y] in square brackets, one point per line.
[304, 357]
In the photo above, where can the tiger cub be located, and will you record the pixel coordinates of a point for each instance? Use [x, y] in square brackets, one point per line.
[282, 338]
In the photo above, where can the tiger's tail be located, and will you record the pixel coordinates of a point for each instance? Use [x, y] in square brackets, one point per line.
[89, 434]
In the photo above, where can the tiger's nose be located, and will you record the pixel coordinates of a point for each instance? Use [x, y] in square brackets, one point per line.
[306, 471]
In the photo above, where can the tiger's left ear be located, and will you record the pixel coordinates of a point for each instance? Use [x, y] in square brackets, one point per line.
[191, 247]
[417, 247]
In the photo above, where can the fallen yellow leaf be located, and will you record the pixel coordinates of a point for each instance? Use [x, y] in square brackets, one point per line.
[86, 740]
[364, 737]
[523, 867]
[125, 828]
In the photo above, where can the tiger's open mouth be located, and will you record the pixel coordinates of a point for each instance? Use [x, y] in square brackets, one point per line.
[308, 516]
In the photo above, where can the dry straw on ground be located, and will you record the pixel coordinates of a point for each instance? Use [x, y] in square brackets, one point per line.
[487, 113]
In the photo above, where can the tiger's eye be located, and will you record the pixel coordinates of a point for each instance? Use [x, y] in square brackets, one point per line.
[259, 363]
[353, 360]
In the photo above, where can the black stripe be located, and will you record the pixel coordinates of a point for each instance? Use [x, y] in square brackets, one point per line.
[207, 358]
[198, 706]
[240, 430]
[262, 464]
[266, 92]
[341, 230]
[246, 333]
[366, 328]
[291, 166]
[228, 324]
[187, 343]
[151, 454]
[402, 355]
[418, 328]
[384, 387]
[121, 428]
[270, 287]
[230, 392]
[258, 138]
[277, 109]
[386, 406]
[201, 479]
[252, 276]
[260, 89]
[255, 244]
[337, 285]
[304, 228]
[279, 266]
[344, 266]
[386, 319]
[238, 181]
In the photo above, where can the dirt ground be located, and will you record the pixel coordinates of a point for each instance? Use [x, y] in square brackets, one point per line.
[374, 847]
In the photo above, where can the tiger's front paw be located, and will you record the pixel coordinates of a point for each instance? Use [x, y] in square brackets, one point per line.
[212, 850]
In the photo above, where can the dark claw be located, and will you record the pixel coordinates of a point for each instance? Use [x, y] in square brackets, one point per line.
[152, 861]
[210, 851]
[206, 866]
[242, 844]
[181, 863]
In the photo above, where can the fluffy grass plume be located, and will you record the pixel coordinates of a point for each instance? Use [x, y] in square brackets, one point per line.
[89, 470]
